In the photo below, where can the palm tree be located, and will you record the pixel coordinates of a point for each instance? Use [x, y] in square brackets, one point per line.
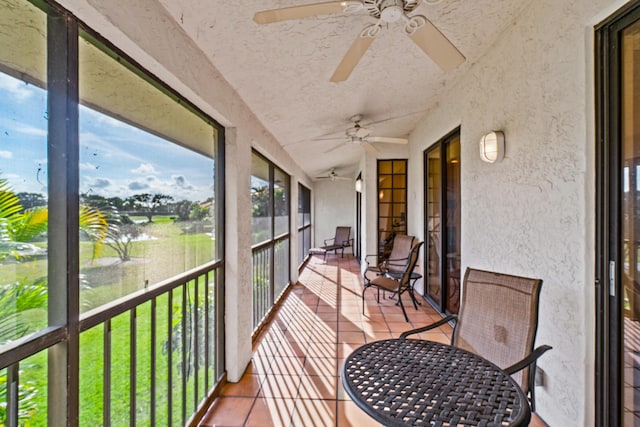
[19, 226]
[24, 225]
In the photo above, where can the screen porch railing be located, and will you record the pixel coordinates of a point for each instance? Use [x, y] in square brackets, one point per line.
[161, 357]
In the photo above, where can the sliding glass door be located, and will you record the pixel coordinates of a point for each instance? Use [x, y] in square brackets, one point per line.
[618, 246]
[442, 223]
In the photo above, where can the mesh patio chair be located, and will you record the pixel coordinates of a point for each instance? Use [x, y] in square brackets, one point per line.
[394, 262]
[397, 283]
[498, 320]
[339, 242]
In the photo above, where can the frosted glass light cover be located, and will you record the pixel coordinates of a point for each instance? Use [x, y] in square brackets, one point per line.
[492, 147]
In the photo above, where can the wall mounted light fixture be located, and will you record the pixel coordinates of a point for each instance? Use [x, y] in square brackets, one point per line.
[492, 147]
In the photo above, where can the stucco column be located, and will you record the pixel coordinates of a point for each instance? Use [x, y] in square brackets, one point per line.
[293, 227]
[238, 288]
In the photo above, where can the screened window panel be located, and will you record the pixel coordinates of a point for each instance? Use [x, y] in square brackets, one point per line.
[261, 211]
[146, 181]
[24, 175]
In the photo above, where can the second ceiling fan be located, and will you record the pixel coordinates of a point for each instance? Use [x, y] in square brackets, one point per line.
[417, 27]
[358, 134]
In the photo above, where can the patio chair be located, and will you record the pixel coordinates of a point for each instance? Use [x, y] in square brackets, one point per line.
[339, 242]
[394, 263]
[498, 320]
[397, 283]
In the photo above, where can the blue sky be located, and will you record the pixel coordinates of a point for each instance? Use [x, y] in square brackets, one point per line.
[116, 159]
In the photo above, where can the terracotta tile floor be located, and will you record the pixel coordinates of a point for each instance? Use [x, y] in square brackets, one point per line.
[294, 376]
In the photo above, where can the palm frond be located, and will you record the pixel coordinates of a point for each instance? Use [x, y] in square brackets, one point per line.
[9, 202]
[20, 296]
[30, 224]
[93, 222]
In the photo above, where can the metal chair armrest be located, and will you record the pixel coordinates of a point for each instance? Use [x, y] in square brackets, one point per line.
[367, 259]
[347, 243]
[531, 358]
[434, 325]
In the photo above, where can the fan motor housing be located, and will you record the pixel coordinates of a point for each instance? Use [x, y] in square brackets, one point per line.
[389, 10]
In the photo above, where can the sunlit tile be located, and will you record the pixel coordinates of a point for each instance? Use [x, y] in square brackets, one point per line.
[271, 412]
[318, 387]
[248, 386]
[324, 307]
[287, 365]
[397, 328]
[321, 366]
[345, 349]
[353, 317]
[351, 337]
[350, 326]
[374, 325]
[379, 335]
[298, 359]
[396, 317]
[320, 349]
[314, 413]
[349, 415]
[280, 386]
[228, 411]
[260, 364]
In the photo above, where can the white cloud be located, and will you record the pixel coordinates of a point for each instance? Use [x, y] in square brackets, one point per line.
[30, 130]
[101, 183]
[137, 186]
[17, 89]
[87, 166]
[96, 145]
[6, 154]
[144, 169]
[181, 182]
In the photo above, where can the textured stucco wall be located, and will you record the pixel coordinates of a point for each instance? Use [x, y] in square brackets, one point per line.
[334, 205]
[533, 213]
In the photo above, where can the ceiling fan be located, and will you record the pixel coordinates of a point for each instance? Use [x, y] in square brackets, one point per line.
[417, 27]
[358, 134]
[332, 176]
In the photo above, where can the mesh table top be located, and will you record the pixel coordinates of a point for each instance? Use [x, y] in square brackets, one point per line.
[408, 382]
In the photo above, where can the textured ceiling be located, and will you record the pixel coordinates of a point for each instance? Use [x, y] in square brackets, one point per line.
[282, 70]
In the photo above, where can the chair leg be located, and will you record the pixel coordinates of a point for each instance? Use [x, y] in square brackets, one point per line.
[532, 386]
[402, 307]
[413, 297]
[363, 289]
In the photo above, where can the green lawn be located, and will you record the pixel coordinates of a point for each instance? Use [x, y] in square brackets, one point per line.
[105, 279]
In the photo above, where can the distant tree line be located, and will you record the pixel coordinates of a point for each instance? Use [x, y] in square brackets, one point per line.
[151, 205]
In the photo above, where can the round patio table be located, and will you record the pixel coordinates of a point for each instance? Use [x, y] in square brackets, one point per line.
[410, 382]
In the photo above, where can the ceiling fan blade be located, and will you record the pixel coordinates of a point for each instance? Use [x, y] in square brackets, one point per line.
[354, 54]
[388, 140]
[298, 12]
[332, 178]
[335, 138]
[370, 148]
[433, 43]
